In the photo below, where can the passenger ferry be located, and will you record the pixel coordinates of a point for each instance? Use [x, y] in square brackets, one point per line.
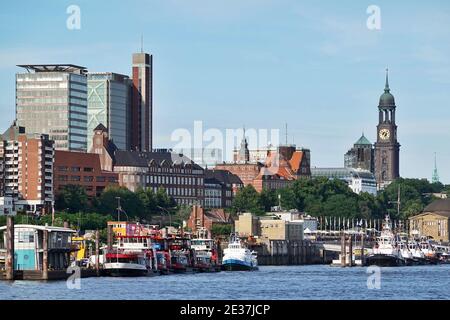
[237, 257]
[132, 256]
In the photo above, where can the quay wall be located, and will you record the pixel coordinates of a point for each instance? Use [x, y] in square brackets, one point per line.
[288, 252]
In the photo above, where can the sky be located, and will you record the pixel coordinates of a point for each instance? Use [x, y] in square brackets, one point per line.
[314, 65]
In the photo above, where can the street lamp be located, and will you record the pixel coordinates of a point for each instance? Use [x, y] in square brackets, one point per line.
[168, 213]
[119, 209]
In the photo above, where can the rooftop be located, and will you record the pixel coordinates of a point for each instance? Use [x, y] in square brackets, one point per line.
[363, 141]
[71, 68]
[440, 205]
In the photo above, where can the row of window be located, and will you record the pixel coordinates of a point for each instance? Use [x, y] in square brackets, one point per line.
[192, 181]
[87, 178]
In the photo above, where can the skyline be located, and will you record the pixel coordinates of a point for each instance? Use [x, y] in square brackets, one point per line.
[322, 64]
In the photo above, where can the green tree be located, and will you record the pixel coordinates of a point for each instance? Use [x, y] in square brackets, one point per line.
[219, 229]
[130, 202]
[247, 200]
[268, 199]
[72, 198]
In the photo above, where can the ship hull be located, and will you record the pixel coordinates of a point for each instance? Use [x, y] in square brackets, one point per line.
[125, 270]
[384, 260]
[237, 265]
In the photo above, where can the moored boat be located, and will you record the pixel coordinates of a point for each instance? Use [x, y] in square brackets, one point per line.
[386, 252]
[205, 254]
[238, 258]
[125, 265]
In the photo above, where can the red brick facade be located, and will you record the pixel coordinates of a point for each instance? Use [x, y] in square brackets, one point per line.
[83, 169]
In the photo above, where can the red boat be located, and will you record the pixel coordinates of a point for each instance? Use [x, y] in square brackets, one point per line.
[126, 264]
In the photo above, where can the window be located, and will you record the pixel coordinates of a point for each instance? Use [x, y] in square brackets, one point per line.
[26, 236]
[75, 169]
[87, 169]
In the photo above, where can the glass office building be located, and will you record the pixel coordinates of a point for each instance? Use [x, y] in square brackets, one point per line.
[109, 103]
[52, 99]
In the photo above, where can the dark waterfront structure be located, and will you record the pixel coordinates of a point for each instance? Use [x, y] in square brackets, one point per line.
[387, 148]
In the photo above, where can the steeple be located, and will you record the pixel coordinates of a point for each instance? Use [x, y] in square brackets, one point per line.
[244, 153]
[435, 178]
[386, 88]
[387, 99]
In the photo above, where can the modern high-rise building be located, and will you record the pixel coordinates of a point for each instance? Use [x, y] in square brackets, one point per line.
[52, 99]
[109, 101]
[26, 170]
[142, 102]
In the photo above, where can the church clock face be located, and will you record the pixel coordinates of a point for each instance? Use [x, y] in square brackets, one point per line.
[384, 134]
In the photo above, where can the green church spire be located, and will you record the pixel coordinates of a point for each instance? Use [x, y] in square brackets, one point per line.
[435, 178]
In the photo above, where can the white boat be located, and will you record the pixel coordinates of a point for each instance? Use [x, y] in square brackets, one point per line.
[131, 256]
[428, 251]
[205, 254]
[418, 256]
[237, 257]
[386, 252]
[120, 264]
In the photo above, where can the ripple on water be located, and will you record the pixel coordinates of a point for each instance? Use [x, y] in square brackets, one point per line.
[269, 283]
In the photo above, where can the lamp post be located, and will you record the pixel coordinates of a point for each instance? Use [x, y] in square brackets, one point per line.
[119, 209]
[168, 213]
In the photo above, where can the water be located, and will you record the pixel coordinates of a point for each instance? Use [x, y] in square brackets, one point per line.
[269, 283]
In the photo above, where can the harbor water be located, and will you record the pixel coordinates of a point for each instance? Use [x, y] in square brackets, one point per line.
[269, 283]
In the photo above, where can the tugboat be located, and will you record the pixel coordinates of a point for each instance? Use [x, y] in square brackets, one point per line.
[238, 258]
[181, 258]
[418, 256]
[205, 253]
[429, 252]
[386, 252]
[402, 241]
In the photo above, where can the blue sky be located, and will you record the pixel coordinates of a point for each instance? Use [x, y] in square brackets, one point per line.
[312, 64]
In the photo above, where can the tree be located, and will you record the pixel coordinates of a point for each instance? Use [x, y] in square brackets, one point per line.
[268, 199]
[219, 229]
[163, 200]
[415, 194]
[130, 202]
[72, 198]
[247, 200]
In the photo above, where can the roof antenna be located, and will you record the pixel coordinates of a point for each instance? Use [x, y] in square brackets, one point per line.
[286, 134]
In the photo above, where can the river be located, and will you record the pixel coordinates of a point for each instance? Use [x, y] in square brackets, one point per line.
[269, 283]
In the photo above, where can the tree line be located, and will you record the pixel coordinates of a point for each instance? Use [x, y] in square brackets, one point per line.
[325, 197]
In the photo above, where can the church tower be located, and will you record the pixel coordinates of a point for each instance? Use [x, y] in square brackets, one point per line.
[244, 154]
[387, 148]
